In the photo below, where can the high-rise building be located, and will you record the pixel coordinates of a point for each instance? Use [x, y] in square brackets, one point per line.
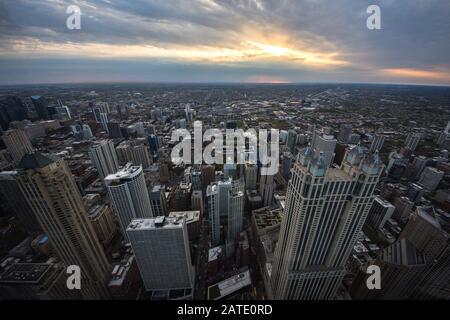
[208, 175]
[10, 190]
[326, 144]
[235, 219]
[379, 213]
[161, 247]
[291, 140]
[288, 160]
[424, 231]
[344, 133]
[401, 266]
[324, 213]
[17, 143]
[377, 142]
[403, 209]
[134, 152]
[212, 203]
[129, 195]
[196, 178]
[267, 189]
[419, 163]
[158, 201]
[412, 141]
[12, 109]
[51, 192]
[430, 178]
[102, 220]
[104, 157]
[224, 188]
[41, 107]
[251, 175]
[197, 201]
[153, 143]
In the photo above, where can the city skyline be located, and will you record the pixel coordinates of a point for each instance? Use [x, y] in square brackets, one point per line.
[228, 42]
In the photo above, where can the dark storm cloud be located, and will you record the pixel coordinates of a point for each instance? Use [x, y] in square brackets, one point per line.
[414, 35]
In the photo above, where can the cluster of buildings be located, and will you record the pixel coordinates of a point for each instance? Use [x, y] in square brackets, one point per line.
[92, 184]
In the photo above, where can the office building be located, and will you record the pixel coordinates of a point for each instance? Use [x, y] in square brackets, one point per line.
[41, 107]
[412, 141]
[134, 152]
[324, 213]
[326, 144]
[17, 143]
[344, 133]
[212, 204]
[377, 142]
[161, 248]
[379, 213]
[208, 175]
[430, 178]
[12, 109]
[197, 201]
[266, 189]
[251, 175]
[401, 266]
[104, 157]
[129, 195]
[158, 201]
[235, 219]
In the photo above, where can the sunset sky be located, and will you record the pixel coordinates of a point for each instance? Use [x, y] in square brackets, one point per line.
[262, 41]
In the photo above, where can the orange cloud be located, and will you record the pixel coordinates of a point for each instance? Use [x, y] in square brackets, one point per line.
[417, 73]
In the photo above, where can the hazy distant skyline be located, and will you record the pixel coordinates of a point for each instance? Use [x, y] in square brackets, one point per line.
[255, 41]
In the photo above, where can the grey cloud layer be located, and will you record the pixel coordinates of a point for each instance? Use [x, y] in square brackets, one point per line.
[415, 33]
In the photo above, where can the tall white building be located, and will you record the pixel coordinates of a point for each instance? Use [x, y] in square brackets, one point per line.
[412, 141]
[377, 142]
[235, 219]
[161, 247]
[128, 194]
[325, 210]
[104, 157]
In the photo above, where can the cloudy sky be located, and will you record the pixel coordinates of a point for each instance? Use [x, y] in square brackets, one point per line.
[267, 41]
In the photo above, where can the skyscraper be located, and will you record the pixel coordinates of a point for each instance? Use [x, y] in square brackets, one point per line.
[52, 194]
[212, 203]
[11, 109]
[161, 247]
[235, 219]
[129, 195]
[9, 188]
[197, 201]
[379, 213]
[412, 141]
[251, 175]
[41, 107]
[344, 133]
[325, 210]
[266, 189]
[401, 266]
[430, 178]
[17, 143]
[377, 142]
[158, 201]
[104, 157]
[326, 144]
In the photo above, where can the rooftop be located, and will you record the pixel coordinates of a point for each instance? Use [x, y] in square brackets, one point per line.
[160, 222]
[229, 286]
